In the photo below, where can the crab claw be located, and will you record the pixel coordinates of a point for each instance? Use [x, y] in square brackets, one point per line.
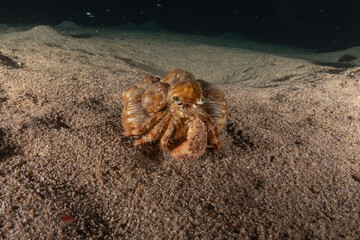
[195, 145]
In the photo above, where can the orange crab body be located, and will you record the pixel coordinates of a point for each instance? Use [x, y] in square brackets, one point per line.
[180, 111]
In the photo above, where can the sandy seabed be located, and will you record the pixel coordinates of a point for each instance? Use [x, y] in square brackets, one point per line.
[289, 167]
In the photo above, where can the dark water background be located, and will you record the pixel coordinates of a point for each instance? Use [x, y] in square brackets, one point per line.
[325, 25]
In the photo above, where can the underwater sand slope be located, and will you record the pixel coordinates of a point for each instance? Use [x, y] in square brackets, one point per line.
[289, 166]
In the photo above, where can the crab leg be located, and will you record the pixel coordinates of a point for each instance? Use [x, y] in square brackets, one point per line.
[213, 134]
[195, 145]
[156, 132]
[212, 131]
[164, 142]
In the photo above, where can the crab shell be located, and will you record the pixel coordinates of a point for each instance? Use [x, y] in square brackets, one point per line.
[133, 114]
[177, 75]
[188, 92]
[154, 97]
[140, 100]
[215, 103]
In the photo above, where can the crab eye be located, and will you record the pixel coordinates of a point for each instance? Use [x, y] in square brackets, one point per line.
[201, 100]
[176, 99]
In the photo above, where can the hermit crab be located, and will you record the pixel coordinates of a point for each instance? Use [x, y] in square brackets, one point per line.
[180, 111]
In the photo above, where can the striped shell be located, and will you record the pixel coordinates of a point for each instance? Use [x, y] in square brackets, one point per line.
[215, 103]
[134, 114]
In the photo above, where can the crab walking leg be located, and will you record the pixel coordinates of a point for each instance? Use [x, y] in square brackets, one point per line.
[145, 126]
[164, 142]
[212, 131]
[214, 135]
[156, 132]
[195, 145]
